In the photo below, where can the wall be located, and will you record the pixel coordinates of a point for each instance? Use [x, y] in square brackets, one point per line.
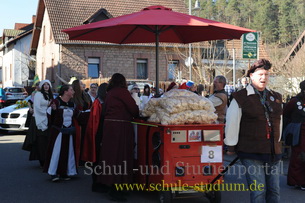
[21, 60]
[113, 58]
[7, 63]
[47, 56]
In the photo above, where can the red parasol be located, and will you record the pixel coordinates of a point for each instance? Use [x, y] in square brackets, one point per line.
[156, 24]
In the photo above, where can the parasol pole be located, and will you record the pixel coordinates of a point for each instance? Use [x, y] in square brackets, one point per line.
[157, 60]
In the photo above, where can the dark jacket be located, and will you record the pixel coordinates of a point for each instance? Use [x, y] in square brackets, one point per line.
[253, 125]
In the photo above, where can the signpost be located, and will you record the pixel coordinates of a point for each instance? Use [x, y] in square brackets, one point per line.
[189, 61]
[250, 45]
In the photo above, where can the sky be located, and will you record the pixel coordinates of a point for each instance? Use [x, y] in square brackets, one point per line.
[16, 11]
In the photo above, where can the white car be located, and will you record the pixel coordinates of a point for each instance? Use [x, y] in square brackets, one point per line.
[13, 119]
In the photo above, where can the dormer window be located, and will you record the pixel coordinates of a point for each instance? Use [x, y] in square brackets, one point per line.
[101, 14]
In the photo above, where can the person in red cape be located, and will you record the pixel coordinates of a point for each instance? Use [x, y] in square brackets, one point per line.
[94, 127]
[94, 132]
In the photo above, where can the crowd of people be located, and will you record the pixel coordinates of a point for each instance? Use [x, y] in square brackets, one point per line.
[79, 127]
[67, 131]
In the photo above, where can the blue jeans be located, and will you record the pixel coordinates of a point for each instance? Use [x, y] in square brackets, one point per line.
[263, 180]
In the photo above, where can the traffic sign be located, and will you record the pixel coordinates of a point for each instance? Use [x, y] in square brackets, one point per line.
[250, 45]
[189, 61]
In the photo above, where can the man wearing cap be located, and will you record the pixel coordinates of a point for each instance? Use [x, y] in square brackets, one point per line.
[191, 86]
[219, 98]
[253, 131]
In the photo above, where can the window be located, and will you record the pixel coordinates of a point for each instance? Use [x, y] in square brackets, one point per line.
[216, 51]
[5, 73]
[42, 71]
[15, 90]
[172, 69]
[142, 69]
[11, 72]
[93, 67]
[44, 35]
[52, 70]
[51, 34]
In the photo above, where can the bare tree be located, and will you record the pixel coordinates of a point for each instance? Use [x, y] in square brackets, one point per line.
[288, 75]
[208, 58]
[25, 59]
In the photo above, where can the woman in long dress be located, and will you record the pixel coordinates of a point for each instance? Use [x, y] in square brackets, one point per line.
[60, 161]
[117, 148]
[38, 134]
[30, 138]
[295, 112]
[42, 101]
[83, 103]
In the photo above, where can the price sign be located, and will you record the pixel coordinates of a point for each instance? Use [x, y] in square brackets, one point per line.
[211, 154]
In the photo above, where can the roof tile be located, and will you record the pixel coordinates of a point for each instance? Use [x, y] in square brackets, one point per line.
[71, 13]
[12, 32]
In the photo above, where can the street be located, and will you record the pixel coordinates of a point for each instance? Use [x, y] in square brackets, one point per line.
[22, 181]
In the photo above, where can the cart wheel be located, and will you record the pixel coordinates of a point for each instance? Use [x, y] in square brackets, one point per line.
[165, 196]
[214, 196]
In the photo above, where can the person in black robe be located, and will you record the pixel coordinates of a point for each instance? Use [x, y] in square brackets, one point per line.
[60, 161]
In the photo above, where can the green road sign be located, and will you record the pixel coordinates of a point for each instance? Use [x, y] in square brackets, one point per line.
[250, 45]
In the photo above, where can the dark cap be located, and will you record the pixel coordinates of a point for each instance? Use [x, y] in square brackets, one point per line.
[93, 85]
[302, 85]
[261, 63]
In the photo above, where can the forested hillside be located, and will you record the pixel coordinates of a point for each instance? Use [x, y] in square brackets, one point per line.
[279, 21]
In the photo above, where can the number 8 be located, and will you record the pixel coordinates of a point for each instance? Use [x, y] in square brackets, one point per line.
[211, 154]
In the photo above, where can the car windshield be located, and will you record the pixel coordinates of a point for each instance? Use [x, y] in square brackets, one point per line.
[15, 90]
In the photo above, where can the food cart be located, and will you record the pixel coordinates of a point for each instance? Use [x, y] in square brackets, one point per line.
[173, 159]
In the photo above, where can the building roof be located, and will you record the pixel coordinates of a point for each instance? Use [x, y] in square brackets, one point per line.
[16, 34]
[11, 32]
[71, 13]
[295, 48]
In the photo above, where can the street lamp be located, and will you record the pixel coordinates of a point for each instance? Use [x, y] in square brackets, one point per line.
[196, 8]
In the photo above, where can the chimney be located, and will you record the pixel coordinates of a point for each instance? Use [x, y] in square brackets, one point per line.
[19, 26]
[33, 19]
